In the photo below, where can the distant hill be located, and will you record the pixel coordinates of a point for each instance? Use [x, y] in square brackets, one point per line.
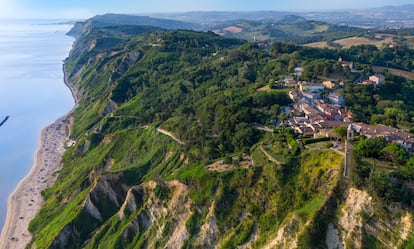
[119, 19]
[390, 8]
[292, 19]
[384, 17]
[290, 28]
[297, 28]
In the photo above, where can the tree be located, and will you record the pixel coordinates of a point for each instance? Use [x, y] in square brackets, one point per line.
[370, 147]
[341, 131]
[407, 171]
[394, 153]
[244, 137]
[347, 71]
[380, 184]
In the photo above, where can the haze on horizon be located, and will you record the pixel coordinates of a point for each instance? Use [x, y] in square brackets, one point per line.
[85, 9]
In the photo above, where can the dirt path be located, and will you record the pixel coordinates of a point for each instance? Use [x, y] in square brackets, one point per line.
[170, 135]
[261, 127]
[270, 157]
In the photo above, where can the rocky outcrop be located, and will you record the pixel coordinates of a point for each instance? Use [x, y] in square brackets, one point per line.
[209, 232]
[160, 208]
[286, 236]
[110, 107]
[360, 219]
[350, 221]
[65, 238]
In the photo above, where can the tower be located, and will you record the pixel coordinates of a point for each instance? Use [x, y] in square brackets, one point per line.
[350, 132]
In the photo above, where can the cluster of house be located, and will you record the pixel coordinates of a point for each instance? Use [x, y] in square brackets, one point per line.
[317, 112]
[405, 139]
[375, 80]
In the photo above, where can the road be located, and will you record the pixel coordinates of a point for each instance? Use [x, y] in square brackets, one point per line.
[347, 150]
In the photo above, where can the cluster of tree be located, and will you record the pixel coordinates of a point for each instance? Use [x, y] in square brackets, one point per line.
[203, 87]
[212, 81]
[390, 104]
[398, 56]
[379, 148]
[385, 184]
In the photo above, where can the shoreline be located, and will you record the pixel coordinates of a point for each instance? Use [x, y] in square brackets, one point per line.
[26, 200]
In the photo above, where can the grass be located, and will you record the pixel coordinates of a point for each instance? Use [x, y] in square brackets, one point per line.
[406, 74]
[312, 206]
[383, 165]
[318, 45]
[410, 41]
[268, 89]
[356, 41]
[319, 145]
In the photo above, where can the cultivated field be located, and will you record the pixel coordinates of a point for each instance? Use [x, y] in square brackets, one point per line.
[410, 41]
[355, 41]
[406, 74]
[233, 29]
[318, 45]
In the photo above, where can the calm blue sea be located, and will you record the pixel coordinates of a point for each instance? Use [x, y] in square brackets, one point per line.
[32, 93]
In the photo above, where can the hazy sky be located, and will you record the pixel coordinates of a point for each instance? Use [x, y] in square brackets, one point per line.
[88, 8]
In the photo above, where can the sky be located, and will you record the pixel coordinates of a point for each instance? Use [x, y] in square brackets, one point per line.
[89, 8]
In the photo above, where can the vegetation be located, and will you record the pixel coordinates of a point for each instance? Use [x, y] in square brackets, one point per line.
[389, 181]
[157, 107]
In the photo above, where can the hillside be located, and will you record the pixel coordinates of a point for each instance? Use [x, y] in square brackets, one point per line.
[166, 155]
[387, 17]
[290, 28]
[286, 27]
[296, 28]
[108, 20]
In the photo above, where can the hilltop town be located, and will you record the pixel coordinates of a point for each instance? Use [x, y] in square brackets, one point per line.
[317, 109]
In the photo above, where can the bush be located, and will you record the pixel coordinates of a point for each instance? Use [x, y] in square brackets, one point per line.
[370, 147]
[315, 140]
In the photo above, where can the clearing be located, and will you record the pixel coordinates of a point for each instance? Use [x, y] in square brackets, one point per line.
[406, 74]
[355, 41]
[318, 45]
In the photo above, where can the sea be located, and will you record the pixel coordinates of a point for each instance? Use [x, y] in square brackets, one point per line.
[32, 93]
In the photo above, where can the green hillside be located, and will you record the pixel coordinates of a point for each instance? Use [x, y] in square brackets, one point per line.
[166, 155]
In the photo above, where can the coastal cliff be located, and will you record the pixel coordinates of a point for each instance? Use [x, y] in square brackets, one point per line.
[163, 155]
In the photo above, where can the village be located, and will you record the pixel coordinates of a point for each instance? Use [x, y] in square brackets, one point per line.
[317, 109]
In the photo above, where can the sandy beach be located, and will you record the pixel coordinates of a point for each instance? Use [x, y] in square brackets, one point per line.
[26, 200]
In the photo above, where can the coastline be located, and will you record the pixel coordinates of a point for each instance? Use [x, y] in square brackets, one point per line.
[26, 200]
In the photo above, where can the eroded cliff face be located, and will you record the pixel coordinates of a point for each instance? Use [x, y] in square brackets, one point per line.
[156, 210]
[362, 223]
[351, 216]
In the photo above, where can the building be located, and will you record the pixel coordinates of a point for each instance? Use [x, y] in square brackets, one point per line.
[308, 110]
[367, 82]
[312, 95]
[405, 139]
[307, 86]
[305, 130]
[335, 98]
[288, 79]
[300, 120]
[299, 71]
[293, 95]
[346, 115]
[377, 79]
[349, 64]
[329, 84]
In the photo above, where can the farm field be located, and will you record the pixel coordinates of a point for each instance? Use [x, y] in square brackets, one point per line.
[355, 41]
